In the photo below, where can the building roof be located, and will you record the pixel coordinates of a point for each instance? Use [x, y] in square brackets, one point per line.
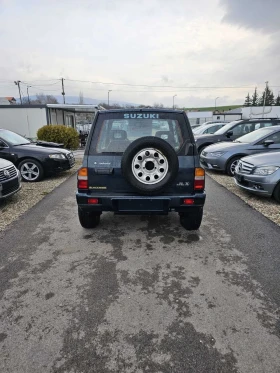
[76, 108]
[7, 100]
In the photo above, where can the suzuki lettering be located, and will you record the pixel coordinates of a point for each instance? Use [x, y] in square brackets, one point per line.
[141, 116]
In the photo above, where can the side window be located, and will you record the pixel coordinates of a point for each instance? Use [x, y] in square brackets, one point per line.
[275, 137]
[241, 129]
[211, 129]
[262, 125]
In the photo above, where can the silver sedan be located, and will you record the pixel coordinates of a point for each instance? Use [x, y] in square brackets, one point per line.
[260, 174]
[224, 156]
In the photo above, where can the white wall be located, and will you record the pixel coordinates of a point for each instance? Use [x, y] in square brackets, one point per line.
[258, 112]
[25, 121]
[226, 117]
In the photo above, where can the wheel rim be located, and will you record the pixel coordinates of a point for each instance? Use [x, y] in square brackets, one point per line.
[149, 166]
[29, 171]
[233, 166]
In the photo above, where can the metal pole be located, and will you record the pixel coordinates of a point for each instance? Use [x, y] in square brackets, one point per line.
[173, 102]
[109, 97]
[216, 102]
[265, 93]
[28, 94]
[63, 92]
[17, 82]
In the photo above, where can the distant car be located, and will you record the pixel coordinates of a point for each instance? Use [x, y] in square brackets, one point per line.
[10, 180]
[33, 160]
[215, 121]
[260, 174]
[232, 131]
[225, 156]
[195, 125]
[208, 128]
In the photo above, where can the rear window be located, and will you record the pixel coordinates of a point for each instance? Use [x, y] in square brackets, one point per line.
[115, 131]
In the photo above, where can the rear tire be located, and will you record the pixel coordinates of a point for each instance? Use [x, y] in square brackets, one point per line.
[191, 221]
[88, 219]
[232, 163]
[276, 193]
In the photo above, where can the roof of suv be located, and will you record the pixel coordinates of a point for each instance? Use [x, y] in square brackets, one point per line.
[158, 110]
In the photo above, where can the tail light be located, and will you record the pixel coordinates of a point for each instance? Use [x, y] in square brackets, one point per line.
[93, 201]
[83, 178]
[199, 179]
[188, 201]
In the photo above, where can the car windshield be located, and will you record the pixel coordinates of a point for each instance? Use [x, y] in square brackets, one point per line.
[13, 138]
[255, 135]
[227, 127]
[115, 131]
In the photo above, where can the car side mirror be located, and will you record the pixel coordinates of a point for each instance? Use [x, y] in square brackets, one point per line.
[2, 145]
[229, 133]
[268, 142]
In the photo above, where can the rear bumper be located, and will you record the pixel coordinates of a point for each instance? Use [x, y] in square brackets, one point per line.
[140, 205]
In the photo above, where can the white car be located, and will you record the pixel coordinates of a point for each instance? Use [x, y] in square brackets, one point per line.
[208, 128]
[10, 179]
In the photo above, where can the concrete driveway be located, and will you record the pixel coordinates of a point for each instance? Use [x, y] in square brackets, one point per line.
[140, 294]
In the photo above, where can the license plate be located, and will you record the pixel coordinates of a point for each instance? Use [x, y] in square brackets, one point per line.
[142, 205]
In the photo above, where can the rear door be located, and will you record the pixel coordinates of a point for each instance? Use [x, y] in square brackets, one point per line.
[113, 132]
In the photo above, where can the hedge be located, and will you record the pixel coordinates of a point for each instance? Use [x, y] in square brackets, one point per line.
[61, 134]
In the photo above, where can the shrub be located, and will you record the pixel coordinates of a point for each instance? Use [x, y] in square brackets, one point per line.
[61, 134]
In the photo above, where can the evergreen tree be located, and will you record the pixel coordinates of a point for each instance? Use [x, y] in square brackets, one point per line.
[269, 97]
[277, 101]
[248, 101]
[255, 98]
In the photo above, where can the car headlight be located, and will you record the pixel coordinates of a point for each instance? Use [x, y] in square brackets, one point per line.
[215, 154]
[265, 170]
[57, 156]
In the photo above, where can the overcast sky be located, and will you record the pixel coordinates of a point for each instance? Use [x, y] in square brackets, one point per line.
[178, 43]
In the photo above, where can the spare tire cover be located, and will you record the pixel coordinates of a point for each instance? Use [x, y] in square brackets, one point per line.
[150, 164]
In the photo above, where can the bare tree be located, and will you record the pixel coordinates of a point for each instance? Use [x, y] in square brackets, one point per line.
[158, 105]
[41, 99]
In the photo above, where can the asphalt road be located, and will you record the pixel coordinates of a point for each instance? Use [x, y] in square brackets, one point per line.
[140, 294]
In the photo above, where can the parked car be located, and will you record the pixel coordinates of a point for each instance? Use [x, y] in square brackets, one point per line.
[10, 179]
[232, 131]
[142, 170]
[208, 128]
[215, 121]
[225, 156]
[260, 174]
[33, 160]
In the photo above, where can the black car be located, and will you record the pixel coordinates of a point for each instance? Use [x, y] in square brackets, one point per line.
[232, 131]
[10, 180]
[33, 160]
[133, 166]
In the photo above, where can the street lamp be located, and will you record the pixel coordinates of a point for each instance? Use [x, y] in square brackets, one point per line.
[29, 86]
[216, 101]
[109, 97]
[173, 101]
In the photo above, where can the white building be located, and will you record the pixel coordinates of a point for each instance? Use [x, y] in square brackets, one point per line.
[27, 119]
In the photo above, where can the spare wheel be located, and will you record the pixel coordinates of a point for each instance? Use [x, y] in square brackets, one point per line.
[150, 164]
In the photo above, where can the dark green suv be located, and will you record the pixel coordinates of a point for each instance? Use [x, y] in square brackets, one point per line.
[141, 162]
